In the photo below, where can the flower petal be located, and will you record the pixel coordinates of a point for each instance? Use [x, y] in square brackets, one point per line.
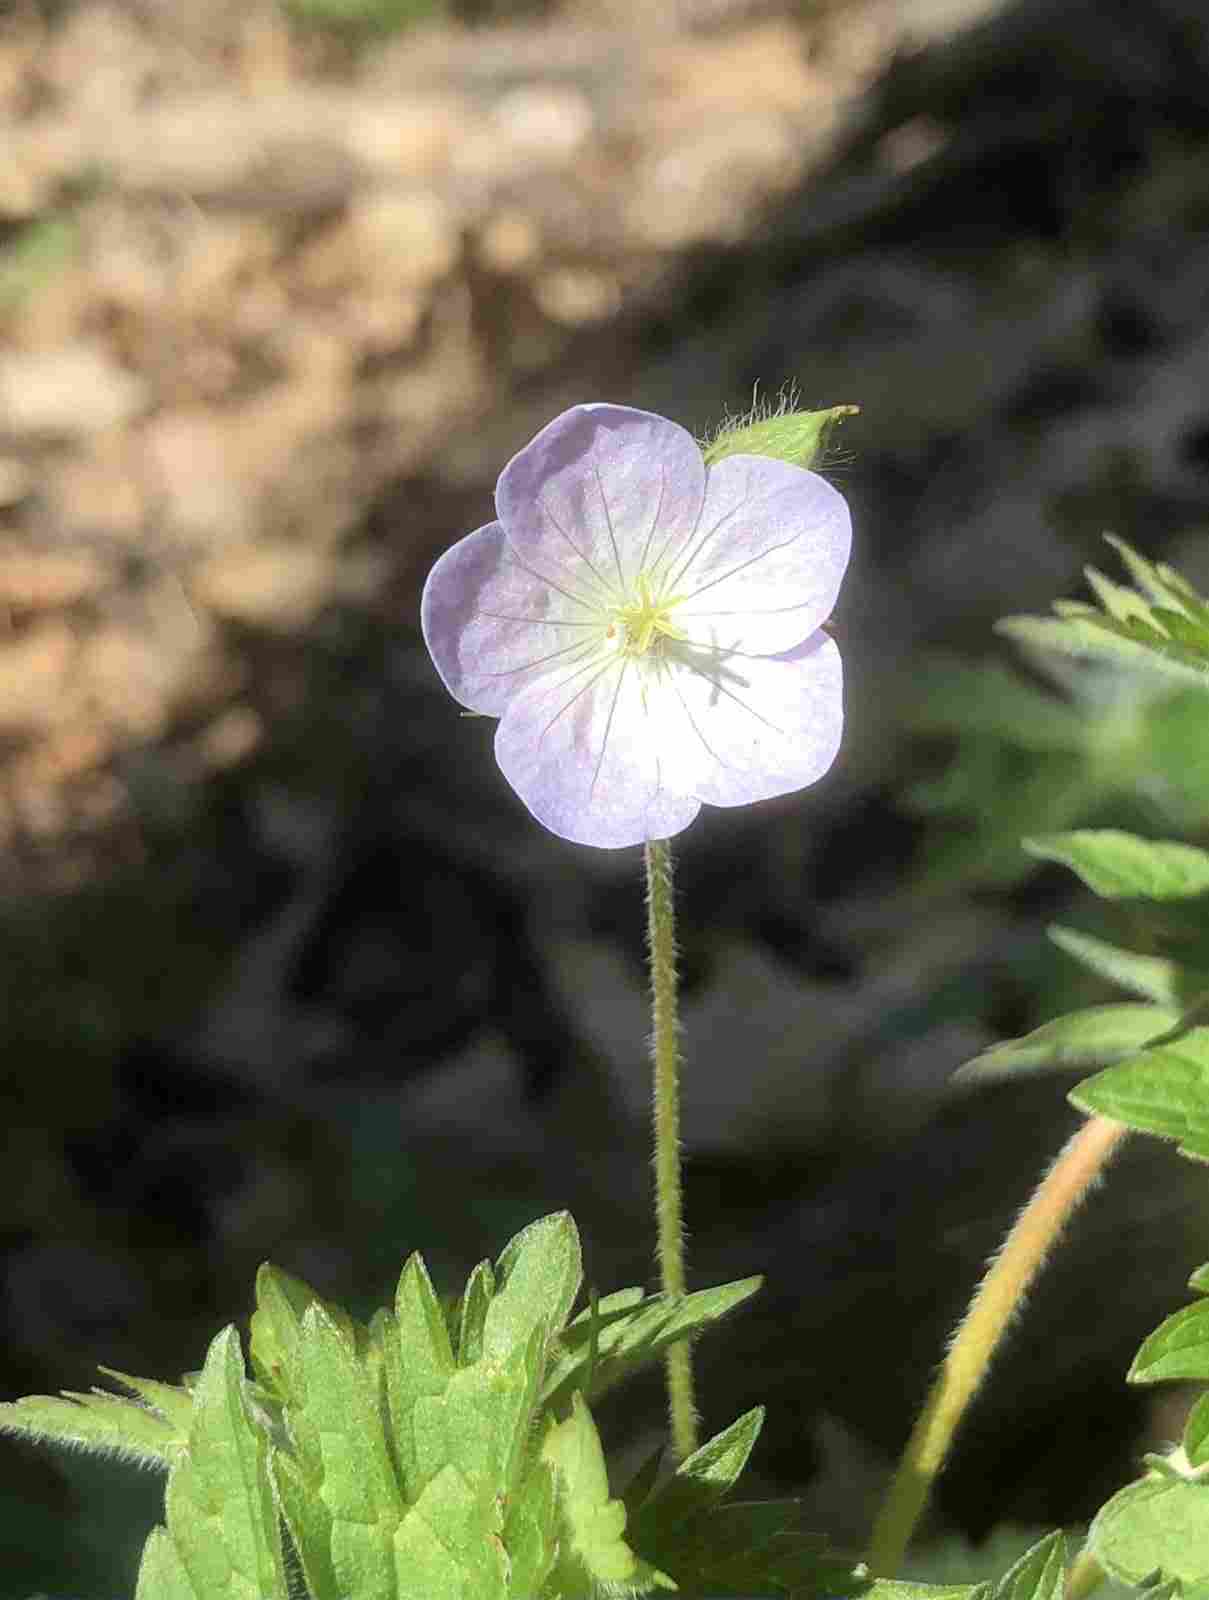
[585, 755]
[751, 727]
[602, 493]
[491, 627]
[764, 568]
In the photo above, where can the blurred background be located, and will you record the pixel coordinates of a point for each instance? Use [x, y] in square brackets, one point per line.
[285, 969]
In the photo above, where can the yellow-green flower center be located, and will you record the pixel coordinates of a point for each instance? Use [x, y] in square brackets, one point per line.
[644, 620]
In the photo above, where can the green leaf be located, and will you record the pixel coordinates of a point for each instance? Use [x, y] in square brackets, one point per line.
[418, 1360]
[221, 1514]
[1097, 638]
[713, 1549]
[309, 1522]
[592, 1550]
[1084, 1038]
[1116, 599]
[894, 1589]
[1038, 1575]
[537, 1276]
[698, 1483]
[281, 1303]
[161, 1575]
[449, 1543]
[1120, 865]
[1152, 977]
[481, 1421]
[472, 1314]
[172, 1400]
[341, 1442]
[531, 1530]
[108, 1424]
[632, 1329]
[1196, 1433]
[1158, 1526]
[1165, 1090]
[954, 696]
[1178, 1348]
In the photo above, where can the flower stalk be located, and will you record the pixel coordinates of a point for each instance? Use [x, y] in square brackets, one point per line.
[665, 1058]
[997, 1299]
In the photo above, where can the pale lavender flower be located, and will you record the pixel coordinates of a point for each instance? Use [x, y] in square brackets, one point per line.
[647, 629]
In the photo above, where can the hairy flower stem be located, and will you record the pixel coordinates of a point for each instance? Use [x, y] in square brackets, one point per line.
[996, 1300]
[665, 1056]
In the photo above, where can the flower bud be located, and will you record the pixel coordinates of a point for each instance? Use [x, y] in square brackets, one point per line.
[798, 437]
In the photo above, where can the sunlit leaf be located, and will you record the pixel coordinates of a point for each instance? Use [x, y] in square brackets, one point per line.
[1179, 1348]
[1093, 1037]
[1164, 1090]
[1121, 865]
[1158, 1527]
[1153, 977]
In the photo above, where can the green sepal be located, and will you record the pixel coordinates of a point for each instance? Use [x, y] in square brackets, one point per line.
[1152, 977]
[1157, 1528]
[1094, 1037]
[219, 1506]
[799, 437]
[592, 1552]
[161, 1573]
[1178, 1348]
[1039, 1574]
[628, 1330]
[1120, 865]
[1164, 1090]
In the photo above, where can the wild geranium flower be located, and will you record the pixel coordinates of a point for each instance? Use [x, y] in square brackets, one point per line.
[647, 629]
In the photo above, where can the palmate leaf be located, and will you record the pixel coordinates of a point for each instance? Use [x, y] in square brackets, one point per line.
[1161, 625]
[1039, 1574]
[281, 1303]
[593, 1553]
[336, 1422]
[109, 1424]
[1164, 1090]
[953, 696]
[1120, 865]
[629, 1329]
[714, 1549]
[897, 1589]
[1157, 1528]
[220, 1511]
[161, 1574]
[1093, 1037]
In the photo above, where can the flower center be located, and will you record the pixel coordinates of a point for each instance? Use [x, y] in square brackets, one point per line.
[644, 620]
